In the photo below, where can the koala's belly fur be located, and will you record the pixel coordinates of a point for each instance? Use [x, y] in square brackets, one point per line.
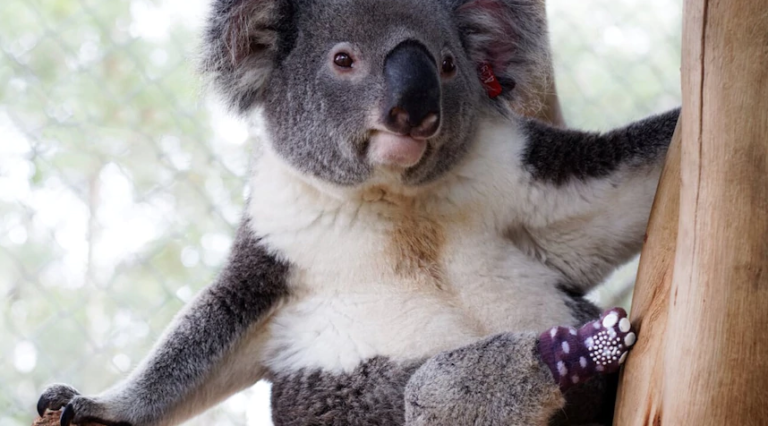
[383, 274]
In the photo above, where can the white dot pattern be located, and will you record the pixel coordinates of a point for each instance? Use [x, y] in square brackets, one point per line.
[624, 325]
[629, 339]
[607, 347]
[599, 346]
[610, 320]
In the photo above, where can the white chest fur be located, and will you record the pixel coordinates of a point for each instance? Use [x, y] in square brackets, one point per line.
[399, 275]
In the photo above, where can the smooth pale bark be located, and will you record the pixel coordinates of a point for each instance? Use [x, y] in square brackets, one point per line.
[705, 360]
[639, 395]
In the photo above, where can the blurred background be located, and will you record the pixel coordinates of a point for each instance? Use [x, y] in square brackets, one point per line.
[121, 182]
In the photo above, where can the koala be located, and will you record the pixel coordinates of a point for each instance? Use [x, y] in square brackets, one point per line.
[411, 252]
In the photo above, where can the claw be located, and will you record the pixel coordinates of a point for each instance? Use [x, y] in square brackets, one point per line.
[55, 397]
[67, 415]
[42, 405]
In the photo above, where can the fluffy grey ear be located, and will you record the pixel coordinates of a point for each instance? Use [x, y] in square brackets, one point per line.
[510, 36]
[243, 41]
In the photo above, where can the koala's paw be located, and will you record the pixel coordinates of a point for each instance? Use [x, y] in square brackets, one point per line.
[55, 397]
[82, 410]
[495, 381]
[609, 340]
[600, 346]
[75, 409]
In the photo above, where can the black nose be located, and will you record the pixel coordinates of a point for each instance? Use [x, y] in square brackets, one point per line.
[412, 102]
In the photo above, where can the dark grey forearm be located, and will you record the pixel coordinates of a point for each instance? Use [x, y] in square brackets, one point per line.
[210, 330]
[557, 155]
[248, 288]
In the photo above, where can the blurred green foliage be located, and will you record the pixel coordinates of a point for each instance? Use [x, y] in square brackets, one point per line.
[120, 184]
[104, 130]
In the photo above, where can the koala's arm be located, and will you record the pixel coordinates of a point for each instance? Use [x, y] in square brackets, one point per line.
[210, 351]
[587, 196]
[500, 380]
[518, 379]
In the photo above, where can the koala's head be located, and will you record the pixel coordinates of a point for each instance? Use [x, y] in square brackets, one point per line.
[348, 86]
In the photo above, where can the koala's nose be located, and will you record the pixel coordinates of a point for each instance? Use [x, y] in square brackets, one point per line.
[412, 102]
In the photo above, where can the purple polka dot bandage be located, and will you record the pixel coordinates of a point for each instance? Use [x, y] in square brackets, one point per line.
[598, 347]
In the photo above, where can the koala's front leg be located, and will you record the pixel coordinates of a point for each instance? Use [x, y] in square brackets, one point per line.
[588, 195]
[498, 381]
[210, 351]
[517, 379]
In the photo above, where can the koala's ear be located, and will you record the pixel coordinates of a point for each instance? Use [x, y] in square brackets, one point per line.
[243, 41]
[510, 36]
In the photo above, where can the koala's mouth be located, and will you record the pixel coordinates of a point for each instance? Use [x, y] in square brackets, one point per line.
[393, 150]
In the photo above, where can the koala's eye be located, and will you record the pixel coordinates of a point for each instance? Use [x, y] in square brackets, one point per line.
[448, 67]
[343, 60]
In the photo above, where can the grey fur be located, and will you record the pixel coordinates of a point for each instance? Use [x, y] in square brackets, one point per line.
[511, 36]
[499, 381]
[242, 43]
[55, 397]
[273, 54]
[372, 394]
[249, 287]
[321, 121]
[502, 380]
[559, 155]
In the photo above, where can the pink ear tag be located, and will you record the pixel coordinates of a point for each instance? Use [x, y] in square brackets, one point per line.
[489, 80]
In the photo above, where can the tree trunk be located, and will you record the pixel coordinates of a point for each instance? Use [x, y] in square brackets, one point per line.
[640, 391]
[704, 356]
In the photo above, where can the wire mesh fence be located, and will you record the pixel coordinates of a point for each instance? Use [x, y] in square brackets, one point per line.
[121, 184]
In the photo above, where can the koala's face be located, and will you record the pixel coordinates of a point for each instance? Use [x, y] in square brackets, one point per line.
[372, 84]
[348, 86]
